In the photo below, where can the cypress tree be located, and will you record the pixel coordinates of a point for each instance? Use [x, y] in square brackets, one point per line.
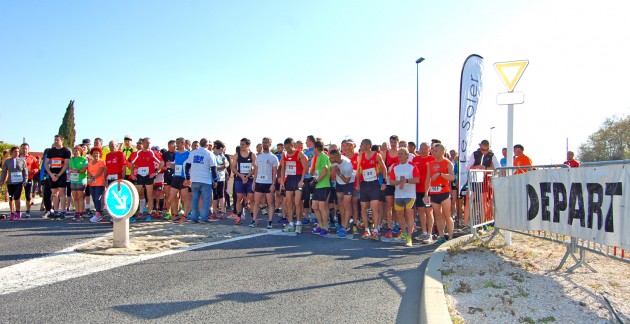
[67, 126]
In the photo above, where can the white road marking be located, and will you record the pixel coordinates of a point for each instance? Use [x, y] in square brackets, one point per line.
[68, 264]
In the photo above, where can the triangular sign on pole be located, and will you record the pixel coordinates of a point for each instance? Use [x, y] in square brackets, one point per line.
[511, 72]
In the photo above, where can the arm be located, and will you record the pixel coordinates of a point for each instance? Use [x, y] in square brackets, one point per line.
[101, 170]
[383, 169]
[25, 173]
[427, 182]
[3, 174]
[34, 167]
[304, 161]
[323, 175]
[66, 164]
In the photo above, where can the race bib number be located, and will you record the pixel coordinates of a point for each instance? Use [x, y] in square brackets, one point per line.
[246, 168]
[369, 174]
[291, 168]
[262, 177]
[143, 171]
[435, 189]
[74, 176]
[56, 163]
[16, 177]
[178, 169]
[112, 177]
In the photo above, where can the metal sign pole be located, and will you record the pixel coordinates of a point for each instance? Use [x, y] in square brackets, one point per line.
[510, 160]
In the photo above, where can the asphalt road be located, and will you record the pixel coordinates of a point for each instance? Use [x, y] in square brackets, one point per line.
[269, 279]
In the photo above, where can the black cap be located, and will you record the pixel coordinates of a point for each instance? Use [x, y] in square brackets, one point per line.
[485, 143]
[86, 141]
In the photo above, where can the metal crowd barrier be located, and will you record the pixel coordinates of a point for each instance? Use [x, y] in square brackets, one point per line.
[573, 245]
[480, 204]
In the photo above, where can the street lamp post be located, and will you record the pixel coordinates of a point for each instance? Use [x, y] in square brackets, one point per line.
[418, 61]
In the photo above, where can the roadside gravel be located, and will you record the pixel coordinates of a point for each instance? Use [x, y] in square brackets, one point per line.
[495, 283]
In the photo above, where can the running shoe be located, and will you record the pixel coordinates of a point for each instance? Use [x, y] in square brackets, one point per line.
[221, 215]
[374, 236]
[317, 230]
[366, 235]
[440, 241]
[148, 219]
[77, 218]
[388, 234]
[288, 228]
[396, 228]
[238, 221]
[168, 216]
[305, 221]
[361, 226]
[269, 225]
[355, 230]
[46, 215]
[232, 216]
[96, 218]
[12, 216]
[18, 216]
[213, 216]
[408, 241]
[62, 216]
[324, 232]
[27, 215]
[132, 219]
[341, 233]
[298, 229]
[252, 224]
[181, 219]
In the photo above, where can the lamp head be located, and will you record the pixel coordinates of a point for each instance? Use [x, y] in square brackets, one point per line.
[419, 60]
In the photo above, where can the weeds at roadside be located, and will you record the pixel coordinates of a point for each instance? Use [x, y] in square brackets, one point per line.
[492, 284]
[521, 292]
[446, 272]
[463, 288]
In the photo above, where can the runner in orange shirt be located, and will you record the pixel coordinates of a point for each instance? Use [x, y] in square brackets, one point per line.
[440, 173]
[521, 160]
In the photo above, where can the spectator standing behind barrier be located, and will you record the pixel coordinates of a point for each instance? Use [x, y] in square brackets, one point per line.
[520, 159]
[571, 162]
[481, 159]
[503, 161]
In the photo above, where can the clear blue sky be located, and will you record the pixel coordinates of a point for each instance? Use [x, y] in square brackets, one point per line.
[226, 70]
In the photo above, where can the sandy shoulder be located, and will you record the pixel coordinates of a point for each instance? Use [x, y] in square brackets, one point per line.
[157, 237]
[518, 284]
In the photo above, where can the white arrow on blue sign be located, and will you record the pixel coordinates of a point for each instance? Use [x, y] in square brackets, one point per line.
[121, 199]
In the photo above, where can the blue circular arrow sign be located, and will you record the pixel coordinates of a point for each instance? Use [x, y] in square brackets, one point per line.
[121, 199]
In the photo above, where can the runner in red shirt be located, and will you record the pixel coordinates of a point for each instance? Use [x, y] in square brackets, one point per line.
[145, 162]
[115, 162]
[426, 213]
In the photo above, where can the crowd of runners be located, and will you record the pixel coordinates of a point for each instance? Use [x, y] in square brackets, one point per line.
[388, 190]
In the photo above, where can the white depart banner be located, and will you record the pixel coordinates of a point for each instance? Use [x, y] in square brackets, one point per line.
[590, 203]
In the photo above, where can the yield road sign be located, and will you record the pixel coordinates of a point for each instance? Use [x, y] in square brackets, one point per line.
[511, 72]
[121, 199]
